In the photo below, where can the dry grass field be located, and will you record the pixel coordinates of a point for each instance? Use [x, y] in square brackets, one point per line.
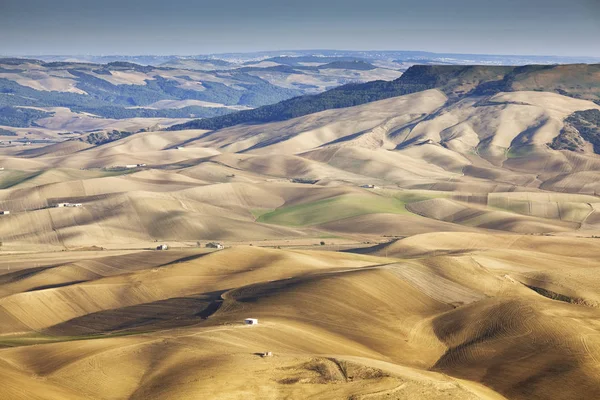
[408, 248]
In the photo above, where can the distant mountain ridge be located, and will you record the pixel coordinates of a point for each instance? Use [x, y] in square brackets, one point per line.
[308, 55]
[578, 80]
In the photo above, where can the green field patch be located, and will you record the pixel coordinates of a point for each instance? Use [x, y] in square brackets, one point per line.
[107, 173]
[12, 178]
[333, 209]
[408, 197]
[520, 152]
[259, 212]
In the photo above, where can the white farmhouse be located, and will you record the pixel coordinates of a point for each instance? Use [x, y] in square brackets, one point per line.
[61, 205]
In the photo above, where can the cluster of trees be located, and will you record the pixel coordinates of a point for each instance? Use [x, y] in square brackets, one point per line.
[355, 65]
[588, 124]
[4, 132]
[580, 127]
[568, 139]
[116, 112]
[20, 117]
[129, 65]
[300, 60]
[126, 95]
[98, 138]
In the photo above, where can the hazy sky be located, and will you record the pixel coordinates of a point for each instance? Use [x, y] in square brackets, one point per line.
[533, 27]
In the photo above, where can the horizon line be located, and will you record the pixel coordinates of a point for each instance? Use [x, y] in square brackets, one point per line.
[25, 55]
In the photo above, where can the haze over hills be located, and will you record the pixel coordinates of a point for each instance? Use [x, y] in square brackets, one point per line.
[408, 57]
[429, 236]
[47, 100]
[55, 97]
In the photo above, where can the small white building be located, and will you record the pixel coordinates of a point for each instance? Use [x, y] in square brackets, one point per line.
[130, 166]
[4, 212]
[162, 247]
[215, 245]
[61, 205]
[251, 321]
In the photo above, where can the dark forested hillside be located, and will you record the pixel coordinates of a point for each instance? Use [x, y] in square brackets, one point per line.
[456, 81]
[581, 125]
[343, 96]
[20, 117]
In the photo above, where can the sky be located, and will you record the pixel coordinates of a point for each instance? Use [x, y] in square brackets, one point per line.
[192, 27]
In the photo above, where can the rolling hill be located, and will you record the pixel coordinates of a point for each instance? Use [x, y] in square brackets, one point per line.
[432, 237]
